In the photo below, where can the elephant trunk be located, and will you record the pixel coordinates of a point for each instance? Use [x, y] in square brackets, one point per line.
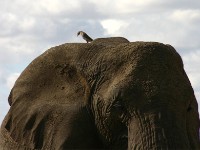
[156, 131]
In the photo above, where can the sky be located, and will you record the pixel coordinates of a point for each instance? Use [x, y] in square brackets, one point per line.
[28, 28]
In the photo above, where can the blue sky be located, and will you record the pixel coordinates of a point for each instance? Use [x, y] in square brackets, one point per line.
[28, 28]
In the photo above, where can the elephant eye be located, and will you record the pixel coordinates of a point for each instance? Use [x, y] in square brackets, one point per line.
[118, 105]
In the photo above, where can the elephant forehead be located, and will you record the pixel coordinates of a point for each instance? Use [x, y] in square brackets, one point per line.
[152, 74]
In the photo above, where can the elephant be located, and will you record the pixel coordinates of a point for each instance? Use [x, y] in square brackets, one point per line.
[107, 94]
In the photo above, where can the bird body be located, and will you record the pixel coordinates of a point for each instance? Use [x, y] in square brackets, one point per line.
[85, 36]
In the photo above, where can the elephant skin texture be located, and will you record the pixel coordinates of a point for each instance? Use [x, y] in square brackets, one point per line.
[108, 94]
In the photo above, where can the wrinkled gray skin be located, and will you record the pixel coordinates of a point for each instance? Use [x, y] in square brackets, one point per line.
[110, 94]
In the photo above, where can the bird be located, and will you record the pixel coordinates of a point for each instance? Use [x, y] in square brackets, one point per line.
[85, 36]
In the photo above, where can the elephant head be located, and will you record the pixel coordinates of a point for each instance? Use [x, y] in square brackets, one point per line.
[148, 102]
[109, 94]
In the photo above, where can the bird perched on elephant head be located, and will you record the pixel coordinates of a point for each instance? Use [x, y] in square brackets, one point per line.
[85, 36]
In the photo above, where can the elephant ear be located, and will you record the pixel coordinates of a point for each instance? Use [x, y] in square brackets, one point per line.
[48, 102]
[192, 122]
